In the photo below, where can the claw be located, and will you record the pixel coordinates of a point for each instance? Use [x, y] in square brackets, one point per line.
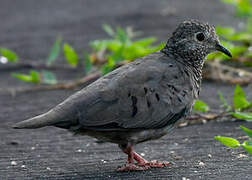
[142, 164]
[132, 167]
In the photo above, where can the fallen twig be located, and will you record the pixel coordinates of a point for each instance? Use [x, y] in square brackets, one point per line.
[33, 65]
[214, 70]
[202, 118]
[68, 85]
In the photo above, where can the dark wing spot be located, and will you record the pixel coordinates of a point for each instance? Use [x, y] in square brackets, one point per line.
[186, 72]
[179, 99]
[170, 65]
[157, 96]
[145, 90]
[176, 77]
[148, 103]
[129, 94]
[134, 106]
[184, 93]
[152, 90]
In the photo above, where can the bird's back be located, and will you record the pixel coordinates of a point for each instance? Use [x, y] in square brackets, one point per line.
[149, 93]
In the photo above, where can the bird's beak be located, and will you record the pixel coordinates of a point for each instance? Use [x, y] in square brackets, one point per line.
[222, 49]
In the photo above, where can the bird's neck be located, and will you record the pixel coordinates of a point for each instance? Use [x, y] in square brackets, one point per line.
[193, 63]
[192, 59]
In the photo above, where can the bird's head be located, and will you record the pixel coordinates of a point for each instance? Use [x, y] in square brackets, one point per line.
[193, 41]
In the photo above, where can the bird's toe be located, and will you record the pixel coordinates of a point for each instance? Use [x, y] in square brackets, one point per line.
[132, 167]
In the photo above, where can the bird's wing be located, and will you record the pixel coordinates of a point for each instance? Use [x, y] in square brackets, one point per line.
[149, 93]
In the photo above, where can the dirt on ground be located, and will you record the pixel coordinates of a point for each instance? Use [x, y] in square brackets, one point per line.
[30, 28]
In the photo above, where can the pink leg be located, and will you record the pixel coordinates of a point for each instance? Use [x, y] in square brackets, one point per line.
[142, 164]
[130, 166]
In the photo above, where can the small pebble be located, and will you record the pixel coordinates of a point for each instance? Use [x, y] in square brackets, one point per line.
[3, 60]
[242, 156]
[142, 154]
[23, 166]
[176, 157]
[13, 163]
[209, 155]
[104, 161]
[201, 164]
[185, 140]
[204, 121]
[48, 168]
[184, 178]
[79, 150]
[32, 148]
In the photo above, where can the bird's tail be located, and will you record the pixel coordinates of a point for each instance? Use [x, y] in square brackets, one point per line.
[42, 120]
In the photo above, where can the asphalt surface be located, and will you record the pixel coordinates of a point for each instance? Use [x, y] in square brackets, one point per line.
[30, 28]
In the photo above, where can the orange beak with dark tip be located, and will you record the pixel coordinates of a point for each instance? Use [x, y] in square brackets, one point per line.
[223, 50]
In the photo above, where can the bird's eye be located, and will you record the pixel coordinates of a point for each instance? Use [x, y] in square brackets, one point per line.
[200, 36]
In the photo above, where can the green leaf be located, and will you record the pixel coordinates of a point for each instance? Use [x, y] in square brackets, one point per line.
[243, 8]
[225, 32]
[70, 55]
[243, 115]
[239, 99]
[54, 53]
[122, 35]
[247, 148]
[248, 143]
[200, 106]
[33, 77]
[108, 30]
[226, 105]
[48, 77]
[247, 131]
[233, 2]
[145, 42]
[10, 55]
[227, 141]
[241, 36]
[88, 63]
[109, 66]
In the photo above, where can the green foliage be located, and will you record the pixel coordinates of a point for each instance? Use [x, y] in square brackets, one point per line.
[70, 55]
[35, 77]
[32, 77]
[54, 53]
[121, 47]
[227, 141]
[48, 78]
[239, 99]
[108, 30]
[87, 64]
[243, 7]
[247, 131]
[233, 143]
[226, 105]
[200, 106]
[242, 115]
[10, 55]
[238, 42]
[240, 103]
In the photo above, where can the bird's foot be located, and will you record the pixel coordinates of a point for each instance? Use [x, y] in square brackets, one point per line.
[132, 167]
[153, 164]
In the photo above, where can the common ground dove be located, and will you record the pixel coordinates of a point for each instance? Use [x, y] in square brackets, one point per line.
[142, 100]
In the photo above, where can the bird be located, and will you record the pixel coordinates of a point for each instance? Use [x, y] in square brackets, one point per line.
[142, 100]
